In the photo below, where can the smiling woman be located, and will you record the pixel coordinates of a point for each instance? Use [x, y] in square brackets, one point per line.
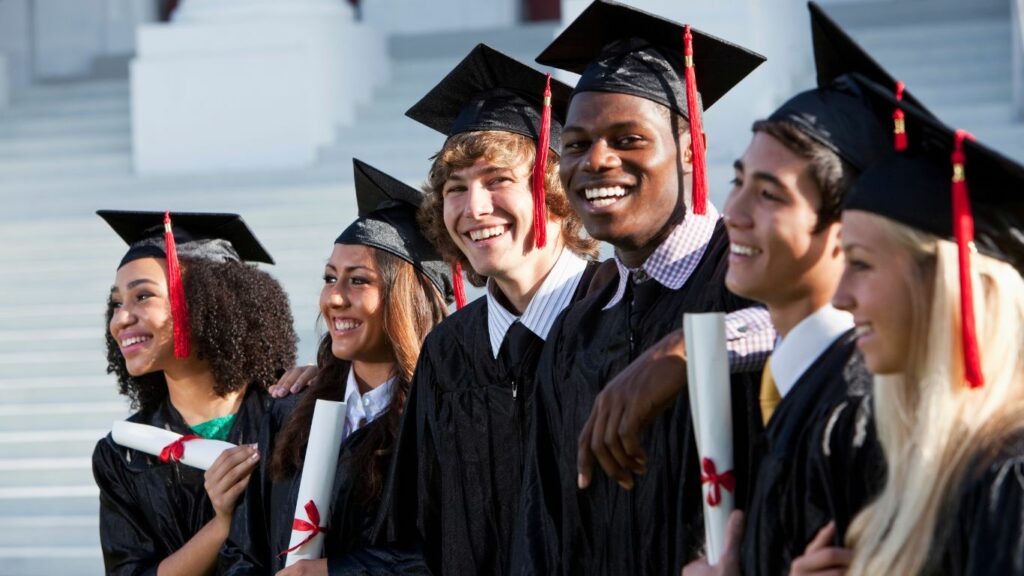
[207, 379]
[384, 289]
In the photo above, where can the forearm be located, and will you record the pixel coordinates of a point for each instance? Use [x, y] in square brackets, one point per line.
[199, 554]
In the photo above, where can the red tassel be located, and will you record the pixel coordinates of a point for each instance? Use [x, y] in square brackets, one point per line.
[899, 121]
[700, 178]
[963, 231]
[458, 287]
[179, 308]
[540, 212]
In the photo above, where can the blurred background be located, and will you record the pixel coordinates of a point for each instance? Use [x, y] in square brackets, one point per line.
[257, 107]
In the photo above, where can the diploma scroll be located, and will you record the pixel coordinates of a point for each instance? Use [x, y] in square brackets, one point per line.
[189, 450]
[711, 406]
[314, 500]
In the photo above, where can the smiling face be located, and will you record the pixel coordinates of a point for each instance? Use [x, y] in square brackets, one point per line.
[877, 288]
[488, 212]
[623, 167]
[141, 321]
[351, 305]
[776, 256]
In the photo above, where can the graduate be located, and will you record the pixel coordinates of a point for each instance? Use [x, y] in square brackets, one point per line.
[196, 334]
[627, 167]
[384, 289]
[494, 207]
[819, 460]
[933, 259]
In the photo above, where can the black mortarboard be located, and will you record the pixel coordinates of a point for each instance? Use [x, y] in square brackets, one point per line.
[488, 90]
[205, 235]
[926, 187]
[913, 186]
[193, 235]
[835, 114]
[387, 221]
[618, 48]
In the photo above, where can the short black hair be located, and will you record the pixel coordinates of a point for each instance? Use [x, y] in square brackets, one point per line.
[241, 325]
[831, 174]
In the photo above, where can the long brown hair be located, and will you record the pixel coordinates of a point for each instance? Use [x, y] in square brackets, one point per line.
[412, 306]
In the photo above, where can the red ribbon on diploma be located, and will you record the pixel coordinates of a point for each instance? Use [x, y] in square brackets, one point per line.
[718, 481]
[313, 526]
[175, 450]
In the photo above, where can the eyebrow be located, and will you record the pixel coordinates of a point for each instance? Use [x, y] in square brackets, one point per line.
[771, 178]
[133, 284]
[487, 171]
[625, 125]
[350, 268]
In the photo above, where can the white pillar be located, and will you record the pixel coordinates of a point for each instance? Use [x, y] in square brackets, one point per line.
[5, 82]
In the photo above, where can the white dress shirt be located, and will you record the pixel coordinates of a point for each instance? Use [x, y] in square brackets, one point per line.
[808, 340]
[361, 409]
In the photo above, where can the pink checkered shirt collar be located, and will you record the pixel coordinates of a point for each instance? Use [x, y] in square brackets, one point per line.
[672, 263]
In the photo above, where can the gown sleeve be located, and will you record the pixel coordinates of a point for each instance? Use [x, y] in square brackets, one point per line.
[128, 547]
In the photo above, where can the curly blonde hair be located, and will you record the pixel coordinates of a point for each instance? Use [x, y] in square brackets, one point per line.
[506, 150]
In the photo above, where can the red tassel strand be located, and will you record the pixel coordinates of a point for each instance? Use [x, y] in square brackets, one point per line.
[179, 308]
[899, 121]
[458, 287]
[700, 178]
[963, 231]
[540, 212]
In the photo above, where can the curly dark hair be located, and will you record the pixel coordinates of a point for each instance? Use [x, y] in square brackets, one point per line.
[412, 306]
[501, 149]
[241, 325]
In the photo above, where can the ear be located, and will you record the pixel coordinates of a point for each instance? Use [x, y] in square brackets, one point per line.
[835, 233]
[686, 145]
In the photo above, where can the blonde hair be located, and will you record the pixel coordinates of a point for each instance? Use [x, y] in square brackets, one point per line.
[506, 150]
[930, 423]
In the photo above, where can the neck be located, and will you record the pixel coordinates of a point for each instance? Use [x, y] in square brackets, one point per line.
[516, 289]
[370, 375]
[787, 315]
[634, 257]
[190, 389]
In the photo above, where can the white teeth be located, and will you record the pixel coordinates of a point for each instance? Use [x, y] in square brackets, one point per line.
[743, 250]
[485, 233]
[345, 324]
[862, 329]
[602, 202]
[134, 340]
[607, 192]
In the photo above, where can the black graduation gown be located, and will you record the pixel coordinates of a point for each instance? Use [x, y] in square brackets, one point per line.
[981, 529]
[821, 461]
[456, 476]
[148, 509]
[262, 524]
[605, 530]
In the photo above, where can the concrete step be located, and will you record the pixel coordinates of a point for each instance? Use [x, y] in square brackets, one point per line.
[46, 561]
[56, 443]
[78, 90]
[64, 389]
[71, 500]
[67, 471]
[59, 531]
[72, 107]
[55, 145]
[114, 122]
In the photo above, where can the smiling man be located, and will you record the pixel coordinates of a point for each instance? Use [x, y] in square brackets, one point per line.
[454, 487]
[628, 166]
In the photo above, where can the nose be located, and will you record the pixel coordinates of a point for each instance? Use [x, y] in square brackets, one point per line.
[843, 298]
[334, 296]
[121, 319]
[736, 213]
[601, 157]
[478, 200]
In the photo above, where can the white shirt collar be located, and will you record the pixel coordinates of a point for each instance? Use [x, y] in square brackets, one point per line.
[360, 407]
[808, 340]
[553, 295]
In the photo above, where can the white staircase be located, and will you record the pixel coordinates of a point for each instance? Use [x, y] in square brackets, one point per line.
[65, 151]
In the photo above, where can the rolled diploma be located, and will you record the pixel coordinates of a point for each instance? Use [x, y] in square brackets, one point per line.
[711, 406]
[317, 480]
[199, 453]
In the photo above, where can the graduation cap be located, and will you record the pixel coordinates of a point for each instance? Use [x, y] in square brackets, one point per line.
[217, 237]
[620, 49]
[387, 221]
[925, 186]
[835, 114]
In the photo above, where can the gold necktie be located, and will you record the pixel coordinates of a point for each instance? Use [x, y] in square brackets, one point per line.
[770, 397]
